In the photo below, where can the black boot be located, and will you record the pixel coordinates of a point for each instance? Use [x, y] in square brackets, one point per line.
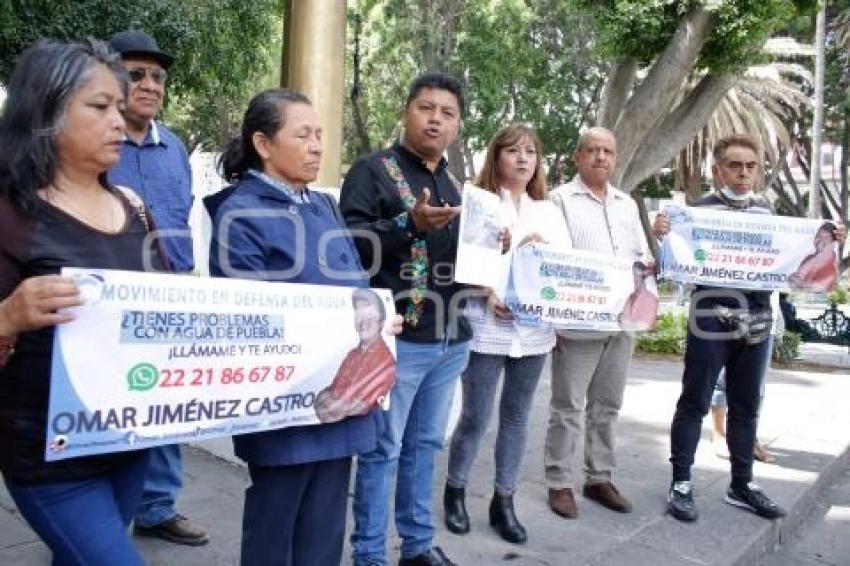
[503, 519]
[454, 504]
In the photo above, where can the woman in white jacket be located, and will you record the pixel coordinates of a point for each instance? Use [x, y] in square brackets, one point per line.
[502, 341]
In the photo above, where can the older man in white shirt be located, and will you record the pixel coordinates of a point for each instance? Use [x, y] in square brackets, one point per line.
[589, 368]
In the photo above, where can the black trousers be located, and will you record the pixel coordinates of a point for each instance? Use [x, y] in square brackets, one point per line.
[295, 515]
[745, 364]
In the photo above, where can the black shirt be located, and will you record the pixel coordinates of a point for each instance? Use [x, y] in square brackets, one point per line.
[42, 245]
[370, 201]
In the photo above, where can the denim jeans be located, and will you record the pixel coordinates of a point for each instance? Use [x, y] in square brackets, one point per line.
[409, 435]
[480, 381]
[84, 522]
[163, 482]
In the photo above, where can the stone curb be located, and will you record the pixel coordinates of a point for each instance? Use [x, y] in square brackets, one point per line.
[777, 533]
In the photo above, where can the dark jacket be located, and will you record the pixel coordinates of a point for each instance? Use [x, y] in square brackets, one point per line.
[370, 201]
[266, 245]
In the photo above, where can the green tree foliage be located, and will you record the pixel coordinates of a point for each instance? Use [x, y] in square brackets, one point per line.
[642, 28]
[520, 61]
[224, 49]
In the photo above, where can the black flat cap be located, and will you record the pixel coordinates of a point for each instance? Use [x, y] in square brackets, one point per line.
[137, 42]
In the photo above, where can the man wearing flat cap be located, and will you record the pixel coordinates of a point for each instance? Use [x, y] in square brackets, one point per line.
[155, 165]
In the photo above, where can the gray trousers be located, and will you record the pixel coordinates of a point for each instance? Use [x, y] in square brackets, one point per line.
[588, 380]
[480, 381]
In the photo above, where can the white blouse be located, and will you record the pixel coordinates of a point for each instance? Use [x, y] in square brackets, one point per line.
[491, 335]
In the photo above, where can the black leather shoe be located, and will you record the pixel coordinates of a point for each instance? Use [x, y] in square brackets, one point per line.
[433, 557]
[454, 504]
[503, 519]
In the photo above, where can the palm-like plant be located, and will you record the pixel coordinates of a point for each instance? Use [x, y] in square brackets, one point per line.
[764, 100]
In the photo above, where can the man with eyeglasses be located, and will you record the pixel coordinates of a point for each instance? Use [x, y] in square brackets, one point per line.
[155, 165]
[713, 343]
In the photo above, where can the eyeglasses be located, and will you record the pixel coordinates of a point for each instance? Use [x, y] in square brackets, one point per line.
[157, 75]
[741, 165]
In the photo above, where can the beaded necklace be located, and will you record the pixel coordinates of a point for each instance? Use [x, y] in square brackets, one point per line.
[418, 246]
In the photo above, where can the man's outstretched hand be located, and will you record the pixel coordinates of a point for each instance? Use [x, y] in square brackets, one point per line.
[428, 218]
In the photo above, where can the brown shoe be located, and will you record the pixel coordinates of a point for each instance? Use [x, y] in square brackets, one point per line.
[178, 530]
[606, 494]
[563, 503]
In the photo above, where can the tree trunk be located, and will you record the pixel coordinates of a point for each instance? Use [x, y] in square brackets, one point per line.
[363, 142]
[845, 163]
[470, 163]
[637, 194]
[553, 177]
[679, 127]
[825, 211]
[456, 161]
[617, 87]
[652, 99]
[689, 172]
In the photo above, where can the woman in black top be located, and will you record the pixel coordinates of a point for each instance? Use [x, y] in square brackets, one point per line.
[61, 130]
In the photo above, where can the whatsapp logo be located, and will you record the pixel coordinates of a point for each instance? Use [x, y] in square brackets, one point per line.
[142, 377]
[700, 254]
[547, 293]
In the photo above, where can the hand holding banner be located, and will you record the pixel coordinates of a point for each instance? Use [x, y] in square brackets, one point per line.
[156, 359]
[579, 289]
[747, 251]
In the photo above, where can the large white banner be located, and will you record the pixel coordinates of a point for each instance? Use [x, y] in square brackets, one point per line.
[156, 359]
[579, 289]
[749, 251]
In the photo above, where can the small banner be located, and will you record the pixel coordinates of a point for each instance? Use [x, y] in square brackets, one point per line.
[479, 253]
[749, 251]
[578, 289]
[155, 359]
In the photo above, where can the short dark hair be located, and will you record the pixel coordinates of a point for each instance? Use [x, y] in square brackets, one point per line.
[371, 297]
[441, 81]
[45, 77]
[265, 114]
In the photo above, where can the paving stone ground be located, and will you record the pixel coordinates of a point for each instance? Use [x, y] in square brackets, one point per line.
[805, 422]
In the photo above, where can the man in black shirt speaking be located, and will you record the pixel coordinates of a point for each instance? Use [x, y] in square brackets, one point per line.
[408, 202]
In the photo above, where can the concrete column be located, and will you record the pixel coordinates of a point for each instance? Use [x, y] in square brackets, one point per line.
[314, 63]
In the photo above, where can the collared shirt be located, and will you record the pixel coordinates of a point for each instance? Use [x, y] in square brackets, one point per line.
[515, 338]
[301, 197]
[158, 171]
[609, 226]
[370, 201]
